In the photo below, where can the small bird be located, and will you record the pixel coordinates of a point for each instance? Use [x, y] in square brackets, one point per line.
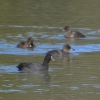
[64, 50]
[26, 44]
[73, 34]
[31, 66]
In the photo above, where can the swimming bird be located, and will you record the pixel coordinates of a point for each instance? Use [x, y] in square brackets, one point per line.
[65, 49]
[70, 33]
[31, 66]
[26, 44]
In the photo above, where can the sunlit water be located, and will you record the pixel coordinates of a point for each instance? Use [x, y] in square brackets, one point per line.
[75, 76]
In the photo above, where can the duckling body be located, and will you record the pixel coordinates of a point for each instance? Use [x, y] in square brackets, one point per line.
[26, 44]
[65, 49]
[72, 34]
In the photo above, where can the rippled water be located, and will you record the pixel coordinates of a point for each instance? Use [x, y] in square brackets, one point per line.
[75, 76]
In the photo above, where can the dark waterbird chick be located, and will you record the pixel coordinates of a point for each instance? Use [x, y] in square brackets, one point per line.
[26, 44]
[30, 66]
[65, 49]
[70, 33]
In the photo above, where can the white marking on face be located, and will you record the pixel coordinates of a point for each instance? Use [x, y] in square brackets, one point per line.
[52, 58]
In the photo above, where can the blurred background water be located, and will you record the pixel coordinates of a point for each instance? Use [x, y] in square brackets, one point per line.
[72, 77]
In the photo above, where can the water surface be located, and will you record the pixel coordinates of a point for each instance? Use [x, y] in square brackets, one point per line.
[75, 76]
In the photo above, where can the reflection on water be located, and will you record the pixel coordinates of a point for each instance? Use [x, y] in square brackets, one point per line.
[74, 76]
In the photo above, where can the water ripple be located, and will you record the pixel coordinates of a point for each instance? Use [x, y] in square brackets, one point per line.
[11, 90]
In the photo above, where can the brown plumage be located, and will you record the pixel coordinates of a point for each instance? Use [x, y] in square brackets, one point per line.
[73, 34]
[65, 49]
[26, 44]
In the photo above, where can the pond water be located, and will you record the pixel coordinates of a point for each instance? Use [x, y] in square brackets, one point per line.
[75, 76]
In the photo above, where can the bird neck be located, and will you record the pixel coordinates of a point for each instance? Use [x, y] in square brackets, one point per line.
[46, 63]
[68, 31]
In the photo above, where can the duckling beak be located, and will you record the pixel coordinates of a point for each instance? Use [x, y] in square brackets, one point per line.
[52, 58]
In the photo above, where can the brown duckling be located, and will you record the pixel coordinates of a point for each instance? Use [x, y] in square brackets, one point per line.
[30, 66]
[26, 44]
[65, 49]
[73, 34]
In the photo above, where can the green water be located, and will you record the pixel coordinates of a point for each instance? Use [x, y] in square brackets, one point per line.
[72, 77]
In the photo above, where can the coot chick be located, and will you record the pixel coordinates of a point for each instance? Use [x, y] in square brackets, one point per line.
[65, 49]
[26, 44]
[73, 34]
[30, 66]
